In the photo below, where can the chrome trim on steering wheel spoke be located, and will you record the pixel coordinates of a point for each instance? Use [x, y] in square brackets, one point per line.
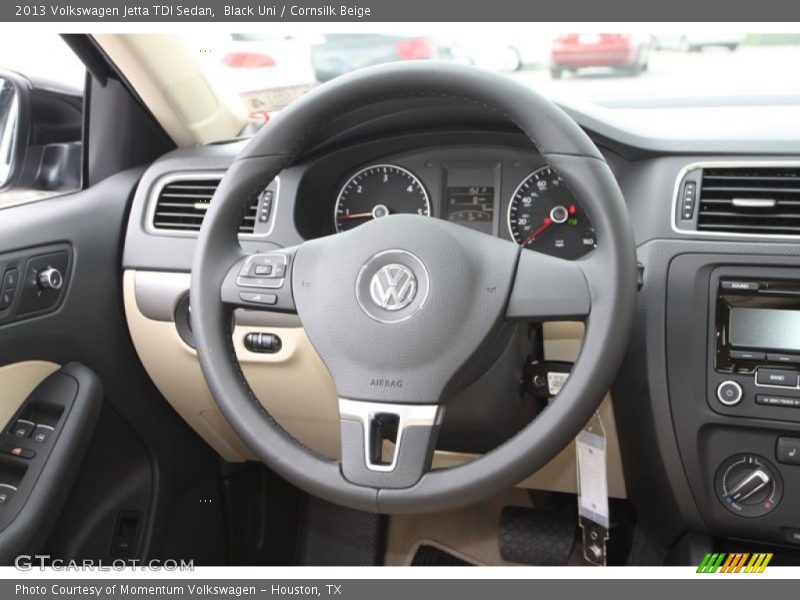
[409, 415]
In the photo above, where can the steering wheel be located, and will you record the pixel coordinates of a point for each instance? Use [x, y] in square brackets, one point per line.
[405, 311]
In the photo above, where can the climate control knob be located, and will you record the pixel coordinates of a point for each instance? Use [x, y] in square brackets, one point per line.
[729, 393]
[748, 485]
[50, 279]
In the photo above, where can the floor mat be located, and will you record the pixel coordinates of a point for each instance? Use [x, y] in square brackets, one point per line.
[431, 556]
[333, 535]
[470, 531]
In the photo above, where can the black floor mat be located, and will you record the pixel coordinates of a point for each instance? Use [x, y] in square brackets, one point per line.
[431, 556]
[333, 535]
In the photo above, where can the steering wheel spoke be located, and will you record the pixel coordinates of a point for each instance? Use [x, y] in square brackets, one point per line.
[261, 281]
[547, 288]
[387, 446]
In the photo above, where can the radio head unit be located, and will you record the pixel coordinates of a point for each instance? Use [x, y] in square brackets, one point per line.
[757, 323]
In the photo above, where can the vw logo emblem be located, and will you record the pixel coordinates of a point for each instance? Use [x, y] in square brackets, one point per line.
[393, 287]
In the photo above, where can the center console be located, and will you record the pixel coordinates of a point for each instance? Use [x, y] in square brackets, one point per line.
[733, 353]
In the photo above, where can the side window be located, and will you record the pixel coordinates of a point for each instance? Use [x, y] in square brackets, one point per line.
[41, 117]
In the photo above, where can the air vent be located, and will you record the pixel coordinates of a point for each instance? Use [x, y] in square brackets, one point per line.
[750, 200]
[181, 205]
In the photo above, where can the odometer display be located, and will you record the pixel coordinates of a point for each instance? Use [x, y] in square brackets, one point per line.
[544, 216]
[378, 191]
[470, 204]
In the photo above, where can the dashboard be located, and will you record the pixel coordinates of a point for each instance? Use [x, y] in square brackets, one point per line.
[683, 449]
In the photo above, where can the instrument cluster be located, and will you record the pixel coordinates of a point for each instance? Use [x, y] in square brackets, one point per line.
[498, 191]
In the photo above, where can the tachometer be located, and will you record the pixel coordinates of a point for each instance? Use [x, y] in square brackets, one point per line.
[378, 191]
[544, 216]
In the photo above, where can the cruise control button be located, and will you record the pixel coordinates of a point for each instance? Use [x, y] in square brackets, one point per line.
[259, 282]
[783, 401]
[779, 377]
[257, 298]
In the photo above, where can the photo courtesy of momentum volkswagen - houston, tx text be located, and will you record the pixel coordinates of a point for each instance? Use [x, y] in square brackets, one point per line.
[338, 286]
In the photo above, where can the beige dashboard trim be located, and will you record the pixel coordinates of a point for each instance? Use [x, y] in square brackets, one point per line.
[300, 391]
[17, 381]
[297, 390]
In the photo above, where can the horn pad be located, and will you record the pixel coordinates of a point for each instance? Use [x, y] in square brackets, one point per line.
[397, 307]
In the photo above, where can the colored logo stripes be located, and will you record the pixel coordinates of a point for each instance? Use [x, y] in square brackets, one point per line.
[735, 562]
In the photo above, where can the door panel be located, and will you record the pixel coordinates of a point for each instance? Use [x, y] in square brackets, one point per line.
[164, 458]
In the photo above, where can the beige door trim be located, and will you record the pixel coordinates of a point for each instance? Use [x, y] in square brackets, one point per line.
[17, 381]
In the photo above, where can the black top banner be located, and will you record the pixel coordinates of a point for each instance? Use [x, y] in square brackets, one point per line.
[243, 11]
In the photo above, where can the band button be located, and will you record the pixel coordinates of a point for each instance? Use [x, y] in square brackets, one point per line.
[779, 377]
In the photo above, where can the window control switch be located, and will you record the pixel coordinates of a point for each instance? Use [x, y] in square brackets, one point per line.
[41, 433]
[22, 428]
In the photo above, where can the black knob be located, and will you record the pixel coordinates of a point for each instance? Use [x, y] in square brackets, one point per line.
[50, 279]
[748, 485]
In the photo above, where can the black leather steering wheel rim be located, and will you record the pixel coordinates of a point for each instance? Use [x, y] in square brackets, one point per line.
[610, 272]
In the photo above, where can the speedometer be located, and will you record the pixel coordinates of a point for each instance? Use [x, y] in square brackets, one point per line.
[378, 191]
[544, 216]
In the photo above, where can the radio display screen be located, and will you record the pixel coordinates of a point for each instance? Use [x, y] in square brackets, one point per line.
[765, 329]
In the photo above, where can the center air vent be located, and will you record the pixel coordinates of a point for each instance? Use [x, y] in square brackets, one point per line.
[181, 205]
[750, 200]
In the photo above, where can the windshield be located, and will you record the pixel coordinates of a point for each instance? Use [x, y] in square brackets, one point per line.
[264, 72]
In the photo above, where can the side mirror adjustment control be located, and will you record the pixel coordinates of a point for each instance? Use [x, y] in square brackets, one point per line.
[50, 279]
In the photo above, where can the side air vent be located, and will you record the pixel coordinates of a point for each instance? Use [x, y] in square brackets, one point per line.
[181, 205]
[750, 200]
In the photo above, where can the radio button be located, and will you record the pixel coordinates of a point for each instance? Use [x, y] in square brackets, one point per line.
[783, 401]
[729, 393]
[746, 355]
[779, 377]
[783, 358]
[740, 286]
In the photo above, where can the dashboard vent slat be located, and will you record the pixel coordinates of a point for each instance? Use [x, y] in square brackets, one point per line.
[750, 200]
[181, 205]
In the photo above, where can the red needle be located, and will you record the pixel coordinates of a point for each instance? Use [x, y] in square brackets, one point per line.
[363, 215]
[547, 222]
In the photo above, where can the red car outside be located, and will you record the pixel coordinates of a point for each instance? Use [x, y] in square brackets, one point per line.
[624, 52]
